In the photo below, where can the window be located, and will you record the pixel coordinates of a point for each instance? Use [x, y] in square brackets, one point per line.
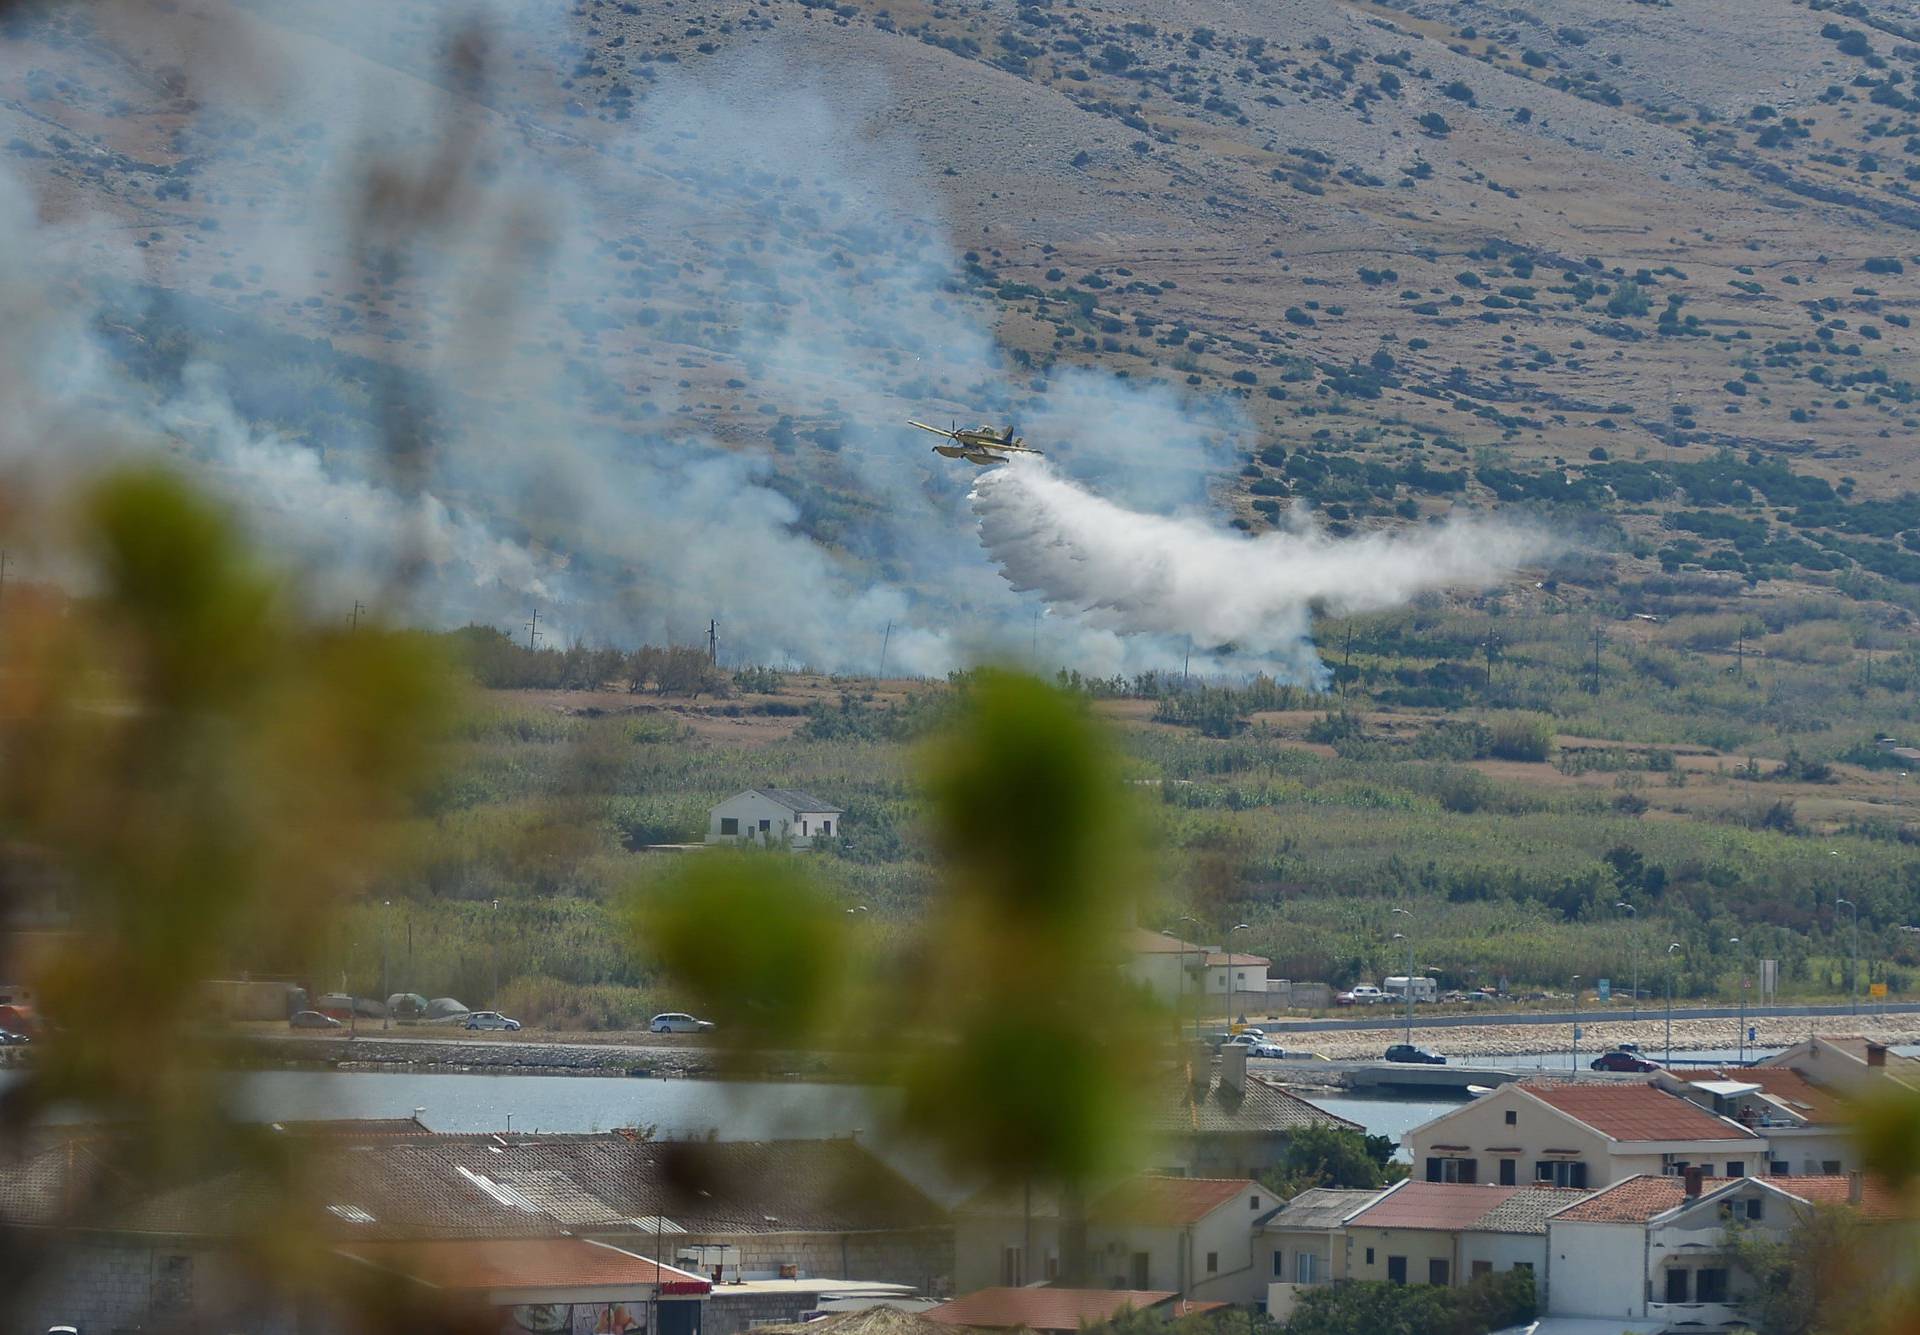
[1453, 1170]
[1280, 1264]
[1560, 1172]
[1139, 1269]
[729, 825]
[1396, 1270]
[1213, 1263]
[1508, 1167]
[1830, 1167]
[1053, 1269]
[1306, 1268]
[1012, 1272]
[1437, 1271]
[1677, 1285]
[1369, 1256]
[1482, 1268]
[1253, 1202]
[826, 827]
[1780, 1168]
[1756, 1208]
[1736, 1169]
[1513, 1117]
[1710, 1286]
[766, 826]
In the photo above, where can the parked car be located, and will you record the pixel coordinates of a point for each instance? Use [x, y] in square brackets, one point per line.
[1409, 1052]
[1623, 1061]
[1478, 997]
[490, 1020]
[9, 1038]
[1244, 1040]
[312, 1020]
[1367, 995]
[678, 1022]
[1344, 999]
[1266, 1049]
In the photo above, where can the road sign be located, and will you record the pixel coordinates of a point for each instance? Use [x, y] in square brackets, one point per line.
[1606, 989]
[1753, 1033]
[1876, 989]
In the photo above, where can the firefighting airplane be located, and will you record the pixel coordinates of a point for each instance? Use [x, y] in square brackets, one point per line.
[982, 445]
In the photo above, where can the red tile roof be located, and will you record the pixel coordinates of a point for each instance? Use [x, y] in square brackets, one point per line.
[1634, 1111]
[524, 1263]
[1800, 1095]
[1444, 1205]
[1635, 1200]
[1044, 1309]
[1173, 1200]
[1878, 1200]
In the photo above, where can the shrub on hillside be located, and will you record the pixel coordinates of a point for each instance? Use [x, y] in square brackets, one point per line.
[1527, 737]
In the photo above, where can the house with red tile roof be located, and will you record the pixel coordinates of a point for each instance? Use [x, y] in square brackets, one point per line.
[1450, 1233]
[1192, 1237]
[1586, 1133]
[1809, 1128]
[1651, 1248]
[1853, 1066]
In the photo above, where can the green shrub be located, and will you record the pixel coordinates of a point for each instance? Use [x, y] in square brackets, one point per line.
[1527, 737]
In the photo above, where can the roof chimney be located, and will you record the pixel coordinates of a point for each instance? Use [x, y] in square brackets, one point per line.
[1695, 1175]
[1856, 1187]
[1876, 1054]
[1233, 1068]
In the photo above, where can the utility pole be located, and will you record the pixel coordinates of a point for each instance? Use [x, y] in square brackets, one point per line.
[353, 621]
[713, 642]
[1489, 660]
[885, 641]
[1033, 642]
[1740, 654]
[1596, 660]
[533, 630]
[1186, 663]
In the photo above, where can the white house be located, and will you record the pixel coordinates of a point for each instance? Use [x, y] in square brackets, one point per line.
[1651, 1249]
[773, 816]
[1585, 1134]
[1809, 1129]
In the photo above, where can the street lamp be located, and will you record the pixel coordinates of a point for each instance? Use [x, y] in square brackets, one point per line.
[1634, 941]
[1575, 1067]
[1740, 986]
[1402, 936]
[386, 993]
[494, 922]
[1226, 1020]
[1670, 949]
[1855, 988]
[1200, 993]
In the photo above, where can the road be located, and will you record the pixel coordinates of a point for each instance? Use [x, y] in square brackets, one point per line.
[1385, 1017]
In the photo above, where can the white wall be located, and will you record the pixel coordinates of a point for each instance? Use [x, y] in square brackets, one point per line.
[1596, 1270]
[1503, 1250]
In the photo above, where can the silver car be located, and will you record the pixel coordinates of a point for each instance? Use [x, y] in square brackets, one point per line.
[678, 1022]
[490, 1020]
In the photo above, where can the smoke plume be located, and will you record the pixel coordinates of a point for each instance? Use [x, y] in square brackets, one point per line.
[1144, 574]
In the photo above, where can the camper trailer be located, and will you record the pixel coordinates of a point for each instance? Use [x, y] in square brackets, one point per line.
[1424, 989]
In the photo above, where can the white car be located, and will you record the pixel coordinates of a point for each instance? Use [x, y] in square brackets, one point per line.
[1265, 1049]
[1368, 996]
[678, 1022]
[490, 1020]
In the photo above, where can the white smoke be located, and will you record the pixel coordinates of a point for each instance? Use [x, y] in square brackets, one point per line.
[1146, 574]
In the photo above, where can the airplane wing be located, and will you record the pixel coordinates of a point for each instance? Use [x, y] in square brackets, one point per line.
[937, 430]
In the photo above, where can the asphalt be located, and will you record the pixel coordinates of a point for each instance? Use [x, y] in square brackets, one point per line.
[1396, 1017]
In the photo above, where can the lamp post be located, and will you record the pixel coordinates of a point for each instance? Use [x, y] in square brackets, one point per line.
[386, 992]
[1575, 1067]
[1634, 942]
[1180, 988]
[1740, 982]
[1855, 988]
[1200, 993]
[1670, 949]
[494, 921]
[1227, 1018]
[1407, 937]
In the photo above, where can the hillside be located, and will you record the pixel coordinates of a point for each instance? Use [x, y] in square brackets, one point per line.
[1642, 268]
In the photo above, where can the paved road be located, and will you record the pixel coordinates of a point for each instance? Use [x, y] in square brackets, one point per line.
[1385, 1017]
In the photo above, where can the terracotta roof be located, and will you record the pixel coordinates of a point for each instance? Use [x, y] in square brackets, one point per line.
[1172, 1200]
[1634, 1111]
[1527, 1210]
[525, 1263]
[1878, 1200]
[1140, 941]
[460, 1186]
[1788, 1087]
[1184, 1107]
[1442, 1205]
[1218, 958]
[1044, 1309]
[1634, 1200]
[1321, 1207]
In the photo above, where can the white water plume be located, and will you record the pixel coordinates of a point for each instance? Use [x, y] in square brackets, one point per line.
[1146, 574]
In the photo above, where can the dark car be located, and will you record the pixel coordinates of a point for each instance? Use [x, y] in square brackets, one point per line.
[8, 1038]
[1419, 1056]
[1623, 1061]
